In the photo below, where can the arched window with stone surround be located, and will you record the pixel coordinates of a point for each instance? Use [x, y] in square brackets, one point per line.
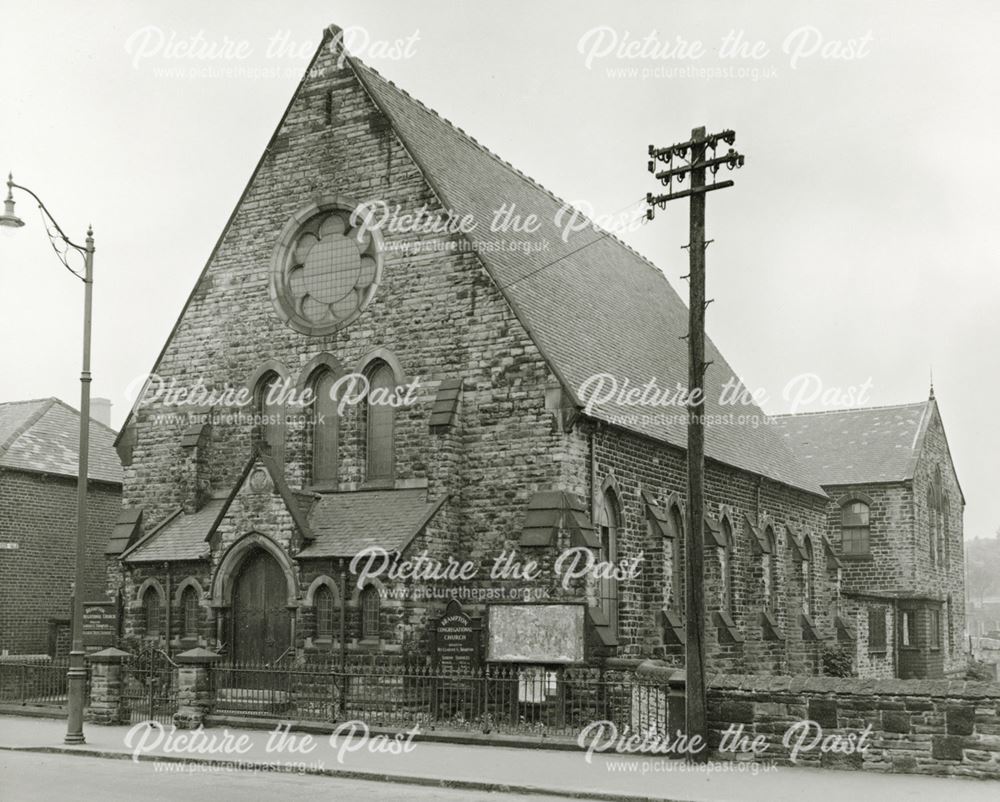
[726, 566]
[324, 607]
[270, 424]
[608, 518]
[677, 597]
[152, 612]
[325, 428]
[946, 528]
[771, 570]
[371, 613]
[380, 423]
[932, 525]
[808, 580]
[189, 613]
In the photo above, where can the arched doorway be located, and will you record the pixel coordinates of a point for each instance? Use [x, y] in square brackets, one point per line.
[261, 625]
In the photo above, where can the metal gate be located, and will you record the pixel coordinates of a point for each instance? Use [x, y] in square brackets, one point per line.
[149, 691]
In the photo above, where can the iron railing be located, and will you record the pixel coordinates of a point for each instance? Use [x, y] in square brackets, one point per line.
[386, 692]
[35, 681]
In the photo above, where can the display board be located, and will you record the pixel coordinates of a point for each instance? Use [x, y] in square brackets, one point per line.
[535, 633]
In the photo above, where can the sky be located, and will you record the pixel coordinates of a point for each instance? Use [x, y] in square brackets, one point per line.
[853, 252]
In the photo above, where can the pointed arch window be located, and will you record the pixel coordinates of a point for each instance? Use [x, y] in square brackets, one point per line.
[771, 570]
[607, 526]
[946, 529]
[677, 566]
[932, 525]
[270, 410]
[808, 584]
[323, 604]
[380, 424]
[151, 610]
[189, 613]
[371, 613]
[325, 428]
[726, 564]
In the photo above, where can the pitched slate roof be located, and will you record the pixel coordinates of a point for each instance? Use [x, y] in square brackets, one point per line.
[345, 523]
[591, 303]
[857, 446]
[44, 435]
[180, 537]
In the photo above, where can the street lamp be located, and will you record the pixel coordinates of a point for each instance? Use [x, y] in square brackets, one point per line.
[77, 674]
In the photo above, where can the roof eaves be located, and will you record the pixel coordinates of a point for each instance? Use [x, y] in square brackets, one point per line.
[156, 530]
[426, 519]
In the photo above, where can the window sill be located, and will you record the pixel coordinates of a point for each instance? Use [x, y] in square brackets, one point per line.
[856, 558]
[322, 487]
[877, 652]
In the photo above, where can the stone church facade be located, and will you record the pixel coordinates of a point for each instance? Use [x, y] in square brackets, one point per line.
[446, 370]
[895, 517]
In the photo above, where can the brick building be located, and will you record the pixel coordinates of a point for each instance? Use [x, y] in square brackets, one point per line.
[39, 448]
[484, 342]
[895, 519]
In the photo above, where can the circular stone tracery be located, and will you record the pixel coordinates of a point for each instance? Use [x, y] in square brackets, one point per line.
[325, 271]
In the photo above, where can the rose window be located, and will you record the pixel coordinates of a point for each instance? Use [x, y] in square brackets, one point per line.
[325, 272]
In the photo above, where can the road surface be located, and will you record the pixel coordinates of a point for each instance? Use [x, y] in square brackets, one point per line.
[32, 777]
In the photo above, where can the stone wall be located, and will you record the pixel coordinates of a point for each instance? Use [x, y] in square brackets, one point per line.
[630, 466]
[945, 727]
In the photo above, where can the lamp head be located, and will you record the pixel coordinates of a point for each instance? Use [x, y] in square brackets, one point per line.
[9, 220]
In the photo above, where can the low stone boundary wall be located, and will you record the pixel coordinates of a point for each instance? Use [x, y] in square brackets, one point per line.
[943, 727]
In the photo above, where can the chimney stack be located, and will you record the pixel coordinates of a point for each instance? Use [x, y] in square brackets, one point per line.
[100, 410]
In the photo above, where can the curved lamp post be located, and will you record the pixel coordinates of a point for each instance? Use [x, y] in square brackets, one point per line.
[77, 674]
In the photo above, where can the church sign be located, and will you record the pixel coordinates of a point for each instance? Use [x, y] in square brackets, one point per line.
[100, 625]
[456, 640]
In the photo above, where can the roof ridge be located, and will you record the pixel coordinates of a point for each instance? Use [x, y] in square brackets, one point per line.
[77, 412]
[846, 409]
[518, 172]
[31, 420]
[27, 401]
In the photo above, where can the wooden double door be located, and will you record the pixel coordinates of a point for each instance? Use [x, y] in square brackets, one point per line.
[261, 620]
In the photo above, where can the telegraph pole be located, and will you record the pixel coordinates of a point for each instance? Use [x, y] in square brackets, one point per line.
[697, 165]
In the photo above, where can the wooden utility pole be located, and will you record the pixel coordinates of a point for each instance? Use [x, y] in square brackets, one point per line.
[696, 165]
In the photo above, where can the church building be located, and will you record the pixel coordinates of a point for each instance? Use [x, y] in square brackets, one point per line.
[389, 406]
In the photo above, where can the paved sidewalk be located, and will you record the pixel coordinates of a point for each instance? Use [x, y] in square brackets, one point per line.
[525, 770]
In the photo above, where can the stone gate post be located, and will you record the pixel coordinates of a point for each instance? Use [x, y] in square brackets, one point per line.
[106, 686]
[194, 687]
